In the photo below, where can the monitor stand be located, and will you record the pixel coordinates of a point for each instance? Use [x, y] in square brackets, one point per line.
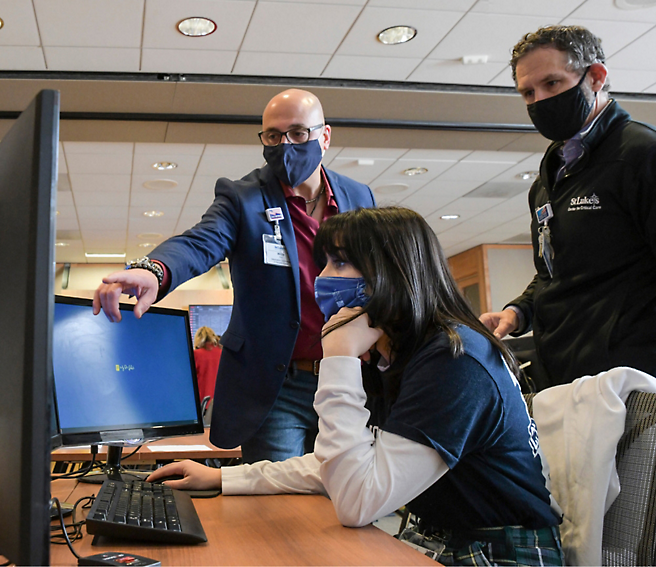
[113, 469]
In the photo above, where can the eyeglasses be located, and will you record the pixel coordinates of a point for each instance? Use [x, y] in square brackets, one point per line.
[294, 135]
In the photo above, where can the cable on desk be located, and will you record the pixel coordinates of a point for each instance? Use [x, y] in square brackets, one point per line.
[78, 529]
[80, 472]
[76, 526]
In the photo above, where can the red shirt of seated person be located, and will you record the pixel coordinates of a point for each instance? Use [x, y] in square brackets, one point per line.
[207, 354]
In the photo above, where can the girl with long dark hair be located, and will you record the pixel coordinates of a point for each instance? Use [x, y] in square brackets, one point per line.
[454, 441]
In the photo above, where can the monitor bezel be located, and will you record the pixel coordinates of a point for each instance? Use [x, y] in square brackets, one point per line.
[149, 433]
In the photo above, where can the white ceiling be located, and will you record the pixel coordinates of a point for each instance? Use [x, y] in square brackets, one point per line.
[104, 164]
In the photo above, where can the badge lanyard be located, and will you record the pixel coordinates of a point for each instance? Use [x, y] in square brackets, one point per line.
[275, 252]
[543, 215]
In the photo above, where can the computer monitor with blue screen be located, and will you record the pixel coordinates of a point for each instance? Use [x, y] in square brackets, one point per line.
[123, 383]
[217, 317]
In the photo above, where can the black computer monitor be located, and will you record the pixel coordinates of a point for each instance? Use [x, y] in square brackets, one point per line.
[123, 383]
[216, 317]
[28, 179]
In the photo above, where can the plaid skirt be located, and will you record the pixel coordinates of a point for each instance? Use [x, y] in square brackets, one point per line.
[510, 545]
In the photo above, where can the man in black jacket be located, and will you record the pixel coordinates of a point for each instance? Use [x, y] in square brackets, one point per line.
[592, 303]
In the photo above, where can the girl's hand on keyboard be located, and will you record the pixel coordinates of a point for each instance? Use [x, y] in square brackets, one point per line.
[187, 475]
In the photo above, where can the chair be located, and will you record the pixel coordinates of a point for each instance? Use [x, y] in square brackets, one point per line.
[629, 535]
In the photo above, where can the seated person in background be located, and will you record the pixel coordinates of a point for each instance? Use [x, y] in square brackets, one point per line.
[457, 446]
[207, 354]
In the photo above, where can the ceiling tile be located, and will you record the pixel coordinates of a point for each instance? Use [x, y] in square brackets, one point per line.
[630, 81]
[92, 59]
[101, 23]
[276, 64]
[105, 183]
[553, 8]
[200, 199]
[141, 224]
[269, 18]
[67, 223]
[114, 164]
[633, 56]
[498, 157]
[473, 171]
[100, 199]
[233, 166]
[212, 62]
[431, 26]
[608, 10]
[106, 212]
[493, 35]
[20, 26]
[449, 5]
[100, 237]
[96, 224]
[166, 149]
[156, 201]
[395, 173]
[203, 187]
[333, 2]
[363, 173]
[162, 17]
[455, 72]
[372, 153]
[21, 58]
[124, 148]
[614, 35]
[98, 163]
[370, 68]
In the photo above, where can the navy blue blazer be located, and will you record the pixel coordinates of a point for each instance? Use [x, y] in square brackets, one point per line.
[266, 314]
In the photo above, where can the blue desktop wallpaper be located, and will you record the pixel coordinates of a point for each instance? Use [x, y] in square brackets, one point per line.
[132, 374]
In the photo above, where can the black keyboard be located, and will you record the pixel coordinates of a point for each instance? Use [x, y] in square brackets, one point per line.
[144, 511]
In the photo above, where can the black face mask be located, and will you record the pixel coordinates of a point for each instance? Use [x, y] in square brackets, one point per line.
[560, 117]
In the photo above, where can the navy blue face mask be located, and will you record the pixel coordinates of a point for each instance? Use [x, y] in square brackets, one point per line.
[332, 294]
[294, 163]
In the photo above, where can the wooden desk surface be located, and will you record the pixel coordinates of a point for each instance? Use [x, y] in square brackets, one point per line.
[258, 530]
[151, 452]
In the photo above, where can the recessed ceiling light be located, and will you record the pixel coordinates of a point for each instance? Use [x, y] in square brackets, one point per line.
[526, 175]
[415, 171]
[160, 184]
[2, 22]
[450, 217]
[153, 214]
[147, 245]
[196, 27]
[391, 188]
[104, 255]
[149, 236]
[62, 244]
[396, 35]
[164, 165]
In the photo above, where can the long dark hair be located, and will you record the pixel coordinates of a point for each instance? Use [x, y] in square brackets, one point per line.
[413, 294]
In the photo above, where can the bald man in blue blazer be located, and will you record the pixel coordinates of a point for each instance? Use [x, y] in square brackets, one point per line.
[264, 224]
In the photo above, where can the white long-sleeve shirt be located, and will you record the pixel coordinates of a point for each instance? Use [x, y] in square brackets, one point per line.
[366, 476]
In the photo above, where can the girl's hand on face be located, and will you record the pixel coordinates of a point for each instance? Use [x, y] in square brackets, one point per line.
[355, 338]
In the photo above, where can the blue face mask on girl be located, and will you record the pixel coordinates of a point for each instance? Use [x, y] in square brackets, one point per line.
[331, 294]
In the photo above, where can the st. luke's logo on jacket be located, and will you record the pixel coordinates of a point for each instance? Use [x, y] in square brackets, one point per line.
[591, 203]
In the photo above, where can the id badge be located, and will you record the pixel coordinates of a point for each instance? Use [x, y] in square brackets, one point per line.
[275, 253]
[544, 213]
